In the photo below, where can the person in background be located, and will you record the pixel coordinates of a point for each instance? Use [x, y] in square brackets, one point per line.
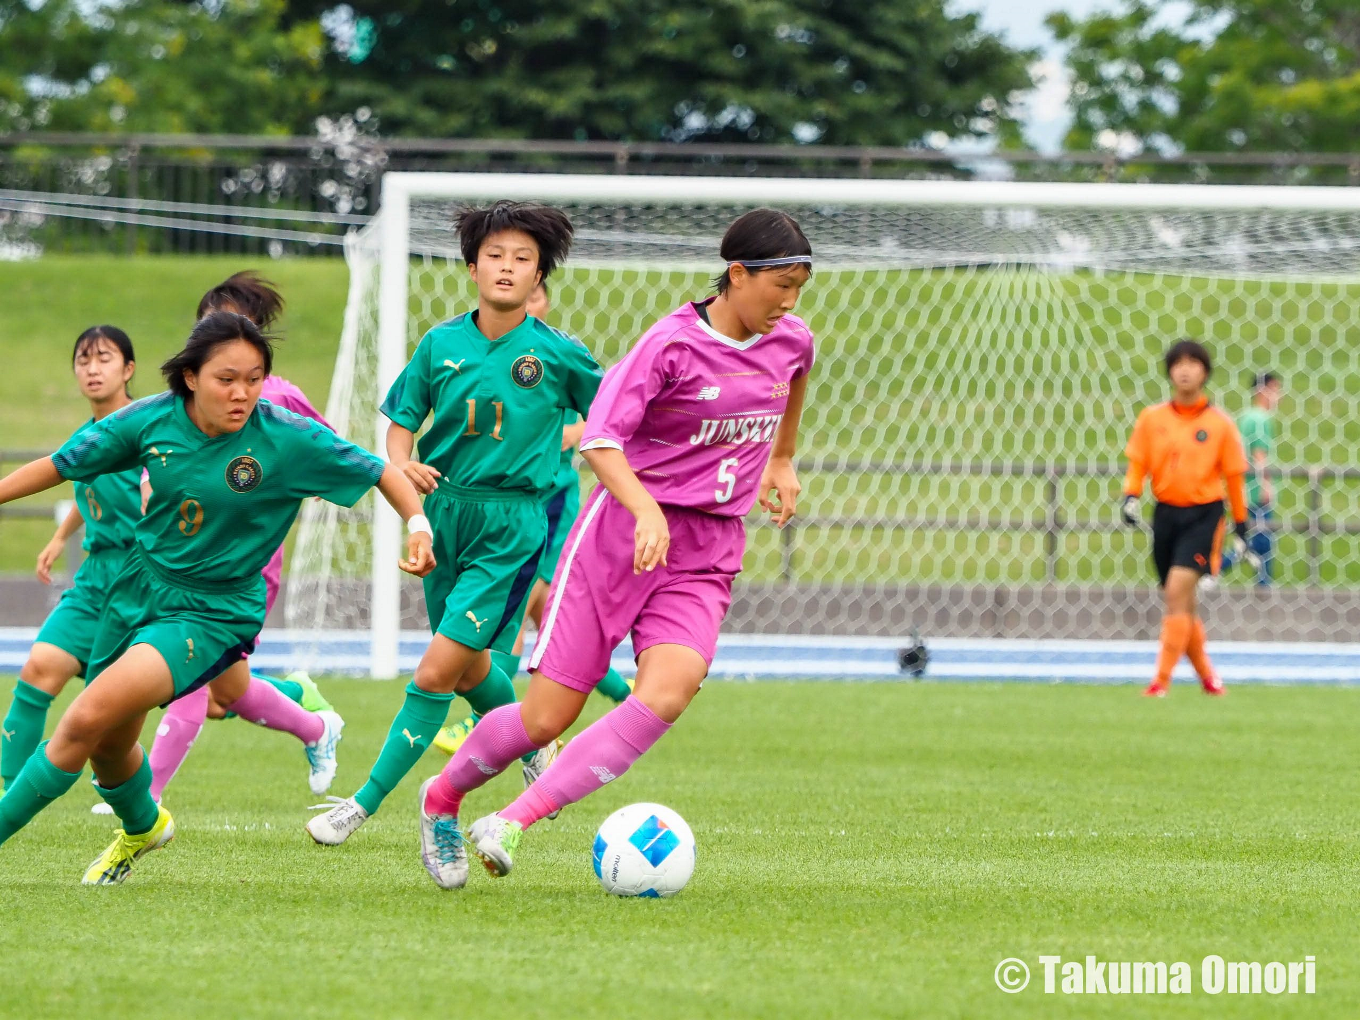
[1257, 425]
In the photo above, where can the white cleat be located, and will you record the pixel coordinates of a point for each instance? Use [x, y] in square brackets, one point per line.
[339, 823]
[443, 850]
[494, 839]
[321, 752]
[1207, 584]
[538, 764]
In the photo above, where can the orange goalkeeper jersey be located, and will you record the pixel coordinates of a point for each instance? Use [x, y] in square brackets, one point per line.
[1192, 453]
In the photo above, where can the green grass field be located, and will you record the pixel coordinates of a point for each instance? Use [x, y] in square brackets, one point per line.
[946, 366]
[868, 850]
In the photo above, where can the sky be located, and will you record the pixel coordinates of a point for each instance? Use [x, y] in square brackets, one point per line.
[1022, 23]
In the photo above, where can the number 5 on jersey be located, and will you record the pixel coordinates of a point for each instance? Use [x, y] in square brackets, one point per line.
[727, 478]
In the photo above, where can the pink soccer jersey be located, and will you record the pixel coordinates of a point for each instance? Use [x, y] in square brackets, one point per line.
[278, 390]
[695, 412]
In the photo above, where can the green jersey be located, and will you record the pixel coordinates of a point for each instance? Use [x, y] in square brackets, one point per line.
[219, 505]
[111, 505]
[1257, 426]
[498, 406]
[566, 470]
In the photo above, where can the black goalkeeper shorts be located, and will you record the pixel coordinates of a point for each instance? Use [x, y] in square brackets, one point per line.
[1187, 536]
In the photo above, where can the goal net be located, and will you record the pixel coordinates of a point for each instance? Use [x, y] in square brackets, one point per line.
[983, 349]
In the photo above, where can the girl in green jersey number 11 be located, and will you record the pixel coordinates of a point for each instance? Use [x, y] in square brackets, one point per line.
[228, 475]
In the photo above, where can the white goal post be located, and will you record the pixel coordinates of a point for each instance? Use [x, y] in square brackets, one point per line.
[983, 347]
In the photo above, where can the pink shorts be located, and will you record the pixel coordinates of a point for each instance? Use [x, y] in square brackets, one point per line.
[596, 599]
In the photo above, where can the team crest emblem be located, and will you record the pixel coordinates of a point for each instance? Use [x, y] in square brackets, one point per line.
[244, 473]
[1201, 436]
[527, 371]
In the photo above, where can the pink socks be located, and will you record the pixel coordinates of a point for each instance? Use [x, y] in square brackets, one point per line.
[183, 720]
[177, 732]
[265, 705]
[602, 752]
[496, 741]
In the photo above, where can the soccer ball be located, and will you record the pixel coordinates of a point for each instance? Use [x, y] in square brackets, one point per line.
[644, 850]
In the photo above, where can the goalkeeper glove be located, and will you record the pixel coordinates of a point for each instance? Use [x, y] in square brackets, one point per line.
[1241, 550]
[1128, 510]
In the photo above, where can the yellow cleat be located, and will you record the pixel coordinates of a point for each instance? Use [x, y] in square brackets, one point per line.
[451, 738]
[115, 863]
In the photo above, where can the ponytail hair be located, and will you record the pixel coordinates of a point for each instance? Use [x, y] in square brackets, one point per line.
[246, 293]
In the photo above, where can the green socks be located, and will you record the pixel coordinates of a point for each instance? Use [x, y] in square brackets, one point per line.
[23, 728]
[506, 663]
[493, 692]
[38, 784]
[421, 715]
[131, 800]
[614, 687]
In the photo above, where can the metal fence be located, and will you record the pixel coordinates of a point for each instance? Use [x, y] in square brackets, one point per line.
[1052, 520]
[262, 195]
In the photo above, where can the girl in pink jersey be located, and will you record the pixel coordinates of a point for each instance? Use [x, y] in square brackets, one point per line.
[265, 702]
[695, 425]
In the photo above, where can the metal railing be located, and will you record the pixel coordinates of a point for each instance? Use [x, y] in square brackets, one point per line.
[1050, 519]
[314, 190]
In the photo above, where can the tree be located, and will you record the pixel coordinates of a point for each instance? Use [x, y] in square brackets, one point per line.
[1238, 74]
[157, 65]
[872, 72]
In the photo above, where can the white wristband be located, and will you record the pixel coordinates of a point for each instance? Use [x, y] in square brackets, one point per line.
[419, 523]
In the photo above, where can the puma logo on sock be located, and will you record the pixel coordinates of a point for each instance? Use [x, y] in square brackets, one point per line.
[9, 734]
[407, 735]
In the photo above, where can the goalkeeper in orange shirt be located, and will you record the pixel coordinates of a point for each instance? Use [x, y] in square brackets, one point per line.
[1193, 452]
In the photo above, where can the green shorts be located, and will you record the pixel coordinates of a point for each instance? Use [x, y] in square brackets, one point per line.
[487, 544]
[199, 631]
[72, 624]
[562, 507]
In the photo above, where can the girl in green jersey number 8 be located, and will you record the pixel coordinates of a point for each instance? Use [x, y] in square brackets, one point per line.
[228, 478]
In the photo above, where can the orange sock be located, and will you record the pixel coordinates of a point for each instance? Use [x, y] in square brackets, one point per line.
[1175, 639]
[1195, 649]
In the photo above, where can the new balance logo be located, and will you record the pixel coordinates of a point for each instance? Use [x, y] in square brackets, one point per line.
[456, 366]
[708, 393]
[603, 774]
[476, 622]
[411, 739]
[482, 766]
